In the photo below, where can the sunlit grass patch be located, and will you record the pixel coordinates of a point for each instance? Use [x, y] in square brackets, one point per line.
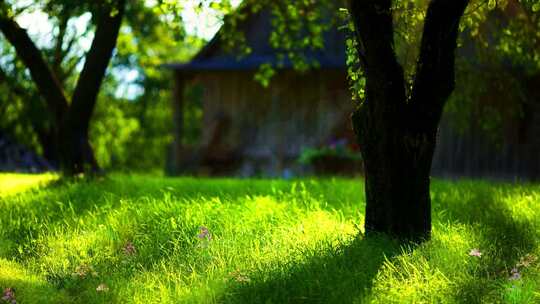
[430, 273]
[12, 183]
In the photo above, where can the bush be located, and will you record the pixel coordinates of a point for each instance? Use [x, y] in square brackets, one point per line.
[337, 158]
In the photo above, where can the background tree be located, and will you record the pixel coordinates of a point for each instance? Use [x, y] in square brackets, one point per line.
[70, 119]
[151, 34]
[148, 39]
[497, 73]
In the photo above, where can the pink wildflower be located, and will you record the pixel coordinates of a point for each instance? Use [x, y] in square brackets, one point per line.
[9, 296]
[514, 274]
[204, 233]
[475, 252]
[129, 249]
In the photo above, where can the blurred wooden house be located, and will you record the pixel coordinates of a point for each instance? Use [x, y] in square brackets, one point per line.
[249, 129]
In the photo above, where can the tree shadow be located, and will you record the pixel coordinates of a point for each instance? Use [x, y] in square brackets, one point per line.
[502, 237]
[340, 275]
[346, 275]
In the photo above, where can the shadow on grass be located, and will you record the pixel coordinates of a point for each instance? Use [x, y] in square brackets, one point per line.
[326, 276]
[503, 239]
[346, 275]
[28, 288]
[66, 201]
[496, 224]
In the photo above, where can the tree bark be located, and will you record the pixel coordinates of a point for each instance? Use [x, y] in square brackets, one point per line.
[396, 132]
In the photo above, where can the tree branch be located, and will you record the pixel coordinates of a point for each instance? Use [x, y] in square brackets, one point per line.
[58, 52]
[435, 76]
[95, 66]
[29, 54]
[374, 28]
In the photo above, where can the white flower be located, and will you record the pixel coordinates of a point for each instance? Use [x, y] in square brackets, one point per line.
[102, 288]
[514, 274]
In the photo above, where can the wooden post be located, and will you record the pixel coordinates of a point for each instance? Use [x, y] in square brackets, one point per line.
[178, 97]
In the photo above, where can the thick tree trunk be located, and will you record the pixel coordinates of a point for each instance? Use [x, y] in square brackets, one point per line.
[397, 165]
[397, 132]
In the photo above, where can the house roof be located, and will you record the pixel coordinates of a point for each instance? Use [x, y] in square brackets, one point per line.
[257, 29]
[251, 62]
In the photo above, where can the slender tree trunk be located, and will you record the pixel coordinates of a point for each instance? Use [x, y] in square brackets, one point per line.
[77, 153]
[397, 132]
[45, 80]
[49, 145]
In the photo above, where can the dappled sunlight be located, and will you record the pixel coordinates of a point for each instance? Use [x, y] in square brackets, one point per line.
[428, 273]
[410, 281]
[523, 203]
[140, 239]
[251, 235]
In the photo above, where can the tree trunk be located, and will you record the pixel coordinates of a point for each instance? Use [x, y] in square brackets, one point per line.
[397, 132]
[77, 155]
[45, 80]
[397, 165]
[48, 141]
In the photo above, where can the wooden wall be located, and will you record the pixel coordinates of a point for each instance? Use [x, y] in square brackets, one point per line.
[272, 125]
[515, 156]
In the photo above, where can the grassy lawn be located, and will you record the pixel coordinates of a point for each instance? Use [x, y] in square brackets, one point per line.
[137, 239]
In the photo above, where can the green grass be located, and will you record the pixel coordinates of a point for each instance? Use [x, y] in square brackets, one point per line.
[272, 242]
